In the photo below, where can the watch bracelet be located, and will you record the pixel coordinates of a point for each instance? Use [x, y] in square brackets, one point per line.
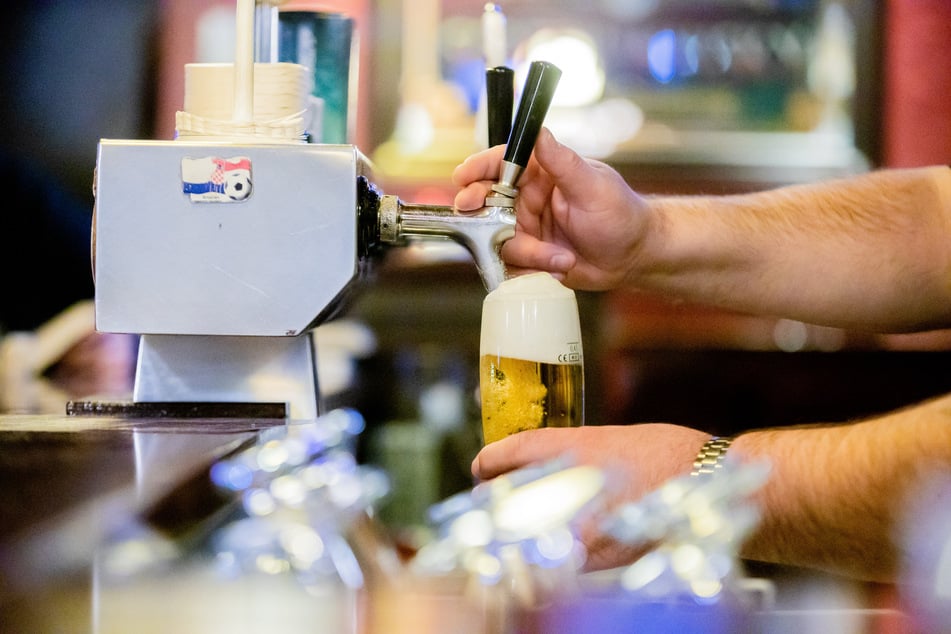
[711, 455]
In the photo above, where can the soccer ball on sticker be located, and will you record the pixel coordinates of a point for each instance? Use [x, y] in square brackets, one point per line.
[237, 184]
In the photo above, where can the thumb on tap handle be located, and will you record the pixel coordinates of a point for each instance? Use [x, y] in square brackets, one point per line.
[536, 98]
[500, 98]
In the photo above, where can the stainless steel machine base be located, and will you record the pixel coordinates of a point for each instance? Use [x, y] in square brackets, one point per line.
[197, 368]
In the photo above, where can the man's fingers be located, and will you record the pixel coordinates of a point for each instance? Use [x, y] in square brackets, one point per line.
[472, 197]
[520, 450]
[562, 163]
[525, 252]
[480, 166]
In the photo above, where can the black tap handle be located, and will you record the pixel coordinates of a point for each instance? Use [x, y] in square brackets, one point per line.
[536, 98]
[500, 101]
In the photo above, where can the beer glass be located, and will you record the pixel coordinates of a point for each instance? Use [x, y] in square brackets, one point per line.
[531, 366]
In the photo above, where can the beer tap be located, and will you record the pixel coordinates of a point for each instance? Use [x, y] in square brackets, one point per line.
[484, 231]
[225, 255]
[536, 98]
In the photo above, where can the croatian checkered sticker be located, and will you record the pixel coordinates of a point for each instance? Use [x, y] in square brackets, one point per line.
[215, 179]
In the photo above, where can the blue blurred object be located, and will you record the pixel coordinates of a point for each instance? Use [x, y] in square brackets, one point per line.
[613, 611]
[323, 42]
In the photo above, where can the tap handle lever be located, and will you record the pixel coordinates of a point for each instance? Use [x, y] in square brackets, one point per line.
[500, 99]
[533, 106]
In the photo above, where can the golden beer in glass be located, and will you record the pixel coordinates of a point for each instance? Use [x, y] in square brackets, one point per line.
[531, 367]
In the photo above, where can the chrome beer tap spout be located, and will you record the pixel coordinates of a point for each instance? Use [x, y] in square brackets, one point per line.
[481, 232]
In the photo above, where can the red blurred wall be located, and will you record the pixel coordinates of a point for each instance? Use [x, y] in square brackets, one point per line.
[916, 116]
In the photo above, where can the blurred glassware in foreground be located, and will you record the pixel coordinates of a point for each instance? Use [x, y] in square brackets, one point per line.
[690, 579]
[293, 543]
[505, 546]
[926, 582]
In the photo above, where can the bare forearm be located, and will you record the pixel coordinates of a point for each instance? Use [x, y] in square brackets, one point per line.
[838, 495]
[872, 252]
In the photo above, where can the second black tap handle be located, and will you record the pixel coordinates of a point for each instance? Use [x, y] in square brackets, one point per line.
[532, 107]
[500, 100]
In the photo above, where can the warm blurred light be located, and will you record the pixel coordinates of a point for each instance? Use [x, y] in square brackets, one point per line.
[130, 557]
[548, 503]
[556, 546]
[314, 476]
[707, 524]
[347, 491]
[271, 565]
[272, 456]
[706, 589]
[688, 561]
[473, 529]
[258, 502]
[303, 545]
[487, 567]
[575, 53]
[289, 490]
[415, 129]
[643, 571]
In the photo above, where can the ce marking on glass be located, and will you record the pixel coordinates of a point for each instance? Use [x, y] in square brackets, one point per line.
[573, 355]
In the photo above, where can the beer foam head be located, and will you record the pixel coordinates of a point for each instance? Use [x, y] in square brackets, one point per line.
[532, 317]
